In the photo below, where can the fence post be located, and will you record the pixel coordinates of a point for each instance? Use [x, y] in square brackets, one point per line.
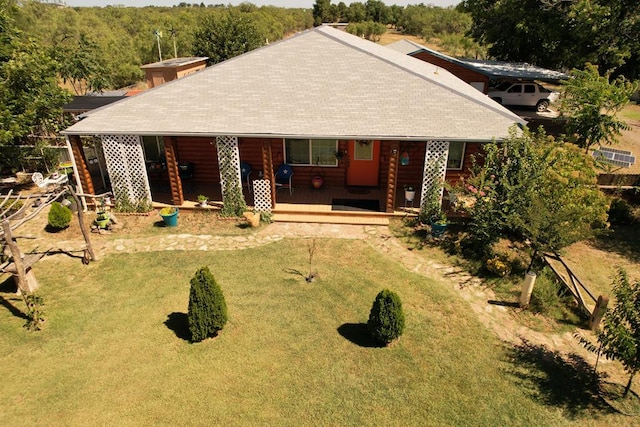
[598, 312]
[527, 289]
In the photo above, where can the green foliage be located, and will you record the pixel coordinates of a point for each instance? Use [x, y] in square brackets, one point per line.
[619, 337]
[81, 64]
[223, 37]
[368, 29]
[233, 203]
[386, 319]
[207, 307]
[532, 188]
[429, 21]
[591, 103]
[35, 315]
[560, 34]
[130, 201]
[431, 203]
[30, 99]
[620, 212]
[59, 216]
[498, 265]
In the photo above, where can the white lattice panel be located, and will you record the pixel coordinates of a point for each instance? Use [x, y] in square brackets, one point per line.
[124, 157]
[229, 161]
[435, 167]
[262, 195]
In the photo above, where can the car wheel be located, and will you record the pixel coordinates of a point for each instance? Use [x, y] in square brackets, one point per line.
[542, 106]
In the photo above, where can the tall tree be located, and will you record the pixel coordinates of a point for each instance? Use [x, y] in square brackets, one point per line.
[30, 99]
[322, 12]
[81, 65]
[591, 103]
[560, 34]
[224, 36]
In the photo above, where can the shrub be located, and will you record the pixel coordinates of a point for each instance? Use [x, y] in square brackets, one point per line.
[386, 319]
[620, 212]
[59, 216]
[498, 265]
[207, 307]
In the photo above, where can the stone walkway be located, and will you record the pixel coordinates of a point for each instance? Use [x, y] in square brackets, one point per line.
[500, 319]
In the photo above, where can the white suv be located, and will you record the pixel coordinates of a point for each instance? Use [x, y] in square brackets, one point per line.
[527, 94]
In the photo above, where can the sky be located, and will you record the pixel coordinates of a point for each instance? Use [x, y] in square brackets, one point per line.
[280, 3]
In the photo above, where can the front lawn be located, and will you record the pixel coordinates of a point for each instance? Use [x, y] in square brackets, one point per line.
[113, 350]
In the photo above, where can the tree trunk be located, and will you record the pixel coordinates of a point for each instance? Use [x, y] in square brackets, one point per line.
[83, 227]
[628, 387]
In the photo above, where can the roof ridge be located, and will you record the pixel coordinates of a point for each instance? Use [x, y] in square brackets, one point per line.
[322, 30]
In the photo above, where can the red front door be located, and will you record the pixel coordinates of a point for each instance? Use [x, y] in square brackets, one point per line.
[364, 163]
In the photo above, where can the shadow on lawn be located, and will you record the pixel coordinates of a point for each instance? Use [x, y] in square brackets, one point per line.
[358, 334]
[621, 239]
[9, 286]
[565, 382]
[179, 324]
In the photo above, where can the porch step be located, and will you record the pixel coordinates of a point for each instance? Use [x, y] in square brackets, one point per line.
[332, 218]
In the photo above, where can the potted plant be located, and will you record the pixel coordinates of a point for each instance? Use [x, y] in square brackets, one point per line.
[203, 200]
[409, 193]
[103, 219]
[439, 224]
[169, 216]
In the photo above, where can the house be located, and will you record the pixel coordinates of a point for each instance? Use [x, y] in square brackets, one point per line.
[323, 101]
[478, 73]
[162, 72]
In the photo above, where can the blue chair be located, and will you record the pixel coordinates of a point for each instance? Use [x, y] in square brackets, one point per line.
[283, 177]
[245, 175]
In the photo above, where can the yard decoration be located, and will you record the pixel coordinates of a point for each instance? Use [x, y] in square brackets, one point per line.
[169, 216]
[207, 306]
[386, 319]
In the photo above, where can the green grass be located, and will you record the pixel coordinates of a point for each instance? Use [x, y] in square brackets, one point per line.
[292, 353]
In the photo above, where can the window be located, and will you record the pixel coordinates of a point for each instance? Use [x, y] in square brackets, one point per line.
[321, 152]
[515, 89]
[153, 148]
[456, 155]
[529, 89]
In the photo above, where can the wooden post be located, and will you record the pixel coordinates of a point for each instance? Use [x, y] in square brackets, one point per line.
[527, 289]
[392, 177]
[598, 312]
[83, 227]
[17, 257]
[267, 168]
[170, 148]
[81, 164]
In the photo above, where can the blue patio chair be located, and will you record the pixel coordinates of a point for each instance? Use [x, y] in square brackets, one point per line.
[283, 177]
[245, 175]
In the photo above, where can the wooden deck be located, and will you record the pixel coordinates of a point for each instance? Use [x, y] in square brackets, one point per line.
[305, 204]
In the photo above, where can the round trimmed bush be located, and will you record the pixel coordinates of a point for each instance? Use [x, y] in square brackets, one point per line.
[59, 216]
[207, 307]
[386, 319]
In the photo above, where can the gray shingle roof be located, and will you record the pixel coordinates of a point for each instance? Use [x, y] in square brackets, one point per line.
[321, 83]
[492, 69]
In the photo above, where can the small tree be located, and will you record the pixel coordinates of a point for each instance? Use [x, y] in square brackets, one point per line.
[207, 307]
[619, 338]
[591, 102]
[386, 319]
[532, 188]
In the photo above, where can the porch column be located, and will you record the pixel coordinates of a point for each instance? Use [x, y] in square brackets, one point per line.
[267, 168]
[392, 177]
[435, 169]
[124, 156]
[81, 171]
[170, 145]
